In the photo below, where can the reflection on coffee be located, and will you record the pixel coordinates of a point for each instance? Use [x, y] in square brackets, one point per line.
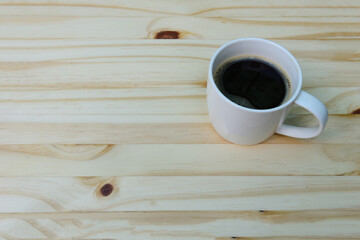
[252, 82]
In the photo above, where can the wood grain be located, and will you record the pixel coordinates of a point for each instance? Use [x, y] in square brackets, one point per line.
[55, 85]
[91, 28]
[203, 8]
[105, 133]
[341, 129]
[188, 104]
[196, 193]
[113, 64]
[64, 93]
[179, 160]
[217, 225]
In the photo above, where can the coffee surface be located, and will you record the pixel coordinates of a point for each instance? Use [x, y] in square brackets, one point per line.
[252, 83]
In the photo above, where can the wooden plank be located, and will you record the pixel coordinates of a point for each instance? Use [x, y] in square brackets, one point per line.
[68, 92]
[229, 8]
[153, 63]
[26, 51]
[337, 100]
[196, 193]
[249, 225]
[179, 160]
[173, 104]
[190, 27]
[341, 129]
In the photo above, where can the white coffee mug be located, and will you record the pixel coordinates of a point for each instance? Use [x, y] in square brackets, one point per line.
[248, 126]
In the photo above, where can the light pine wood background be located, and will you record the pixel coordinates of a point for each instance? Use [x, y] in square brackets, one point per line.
[104, 132]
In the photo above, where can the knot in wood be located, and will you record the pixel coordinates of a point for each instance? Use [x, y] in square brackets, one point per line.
[167, 35]
[107, 189]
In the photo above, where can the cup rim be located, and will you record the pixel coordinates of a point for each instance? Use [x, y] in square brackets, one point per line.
[283, 105]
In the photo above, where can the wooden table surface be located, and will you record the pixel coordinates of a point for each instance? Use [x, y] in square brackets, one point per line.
[104, 129]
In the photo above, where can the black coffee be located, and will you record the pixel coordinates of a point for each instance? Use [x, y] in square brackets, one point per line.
[252, 83]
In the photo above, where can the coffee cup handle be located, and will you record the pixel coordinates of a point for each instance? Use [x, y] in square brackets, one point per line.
[314, 106]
